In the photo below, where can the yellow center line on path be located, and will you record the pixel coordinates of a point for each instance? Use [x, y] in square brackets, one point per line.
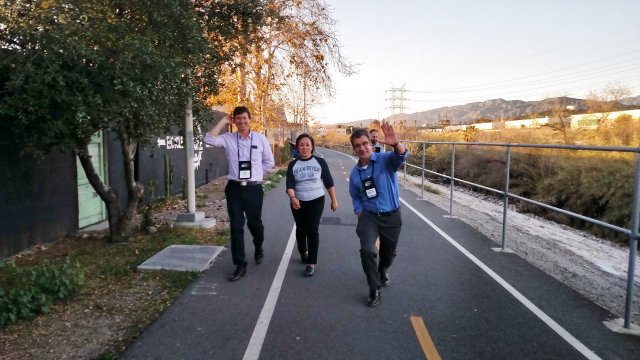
[424, 338]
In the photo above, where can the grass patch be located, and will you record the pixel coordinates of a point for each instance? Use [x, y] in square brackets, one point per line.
[201, 200]
[112, 289]
[274, 179]
[431, 189]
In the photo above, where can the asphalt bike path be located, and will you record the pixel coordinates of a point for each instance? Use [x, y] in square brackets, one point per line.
[451, 297]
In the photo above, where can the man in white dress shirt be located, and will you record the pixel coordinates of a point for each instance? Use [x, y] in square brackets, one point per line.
[249, 156]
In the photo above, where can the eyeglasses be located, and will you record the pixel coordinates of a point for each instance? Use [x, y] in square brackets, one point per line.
[362, 144]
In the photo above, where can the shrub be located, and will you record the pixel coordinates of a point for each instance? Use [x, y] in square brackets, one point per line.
[30, 290]
[274, 179]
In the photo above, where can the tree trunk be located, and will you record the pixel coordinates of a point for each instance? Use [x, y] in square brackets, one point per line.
[135, 190]
[263, 118]
[121, 222]
[106, 193]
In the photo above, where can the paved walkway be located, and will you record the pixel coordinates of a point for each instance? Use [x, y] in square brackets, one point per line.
[451, 297]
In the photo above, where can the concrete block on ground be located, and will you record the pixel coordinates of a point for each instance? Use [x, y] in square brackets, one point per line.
[182, 258]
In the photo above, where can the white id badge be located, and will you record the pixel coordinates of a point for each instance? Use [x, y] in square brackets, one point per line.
[369, 188]
[244, 169]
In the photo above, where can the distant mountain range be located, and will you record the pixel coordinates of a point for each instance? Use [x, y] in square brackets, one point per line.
[489, 110]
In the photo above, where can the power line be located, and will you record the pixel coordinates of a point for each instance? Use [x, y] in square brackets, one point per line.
[635, 62]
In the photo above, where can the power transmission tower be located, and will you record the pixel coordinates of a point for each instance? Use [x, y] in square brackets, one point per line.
[397, 99]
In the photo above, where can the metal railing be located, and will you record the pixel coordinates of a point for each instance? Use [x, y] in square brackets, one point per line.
[632, 233]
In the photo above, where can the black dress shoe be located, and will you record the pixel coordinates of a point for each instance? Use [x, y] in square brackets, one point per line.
[259, 257]
[384, 279]
[309, 270]
[374, 298]
[240, 272]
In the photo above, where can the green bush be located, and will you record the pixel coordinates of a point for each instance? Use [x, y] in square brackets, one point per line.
[274, 179]
[30, 290]
[594, 187]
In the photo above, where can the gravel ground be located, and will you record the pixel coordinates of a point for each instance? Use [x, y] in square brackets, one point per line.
[594, 267]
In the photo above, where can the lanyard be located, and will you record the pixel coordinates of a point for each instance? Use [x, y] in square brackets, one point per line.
[373, 163]
[238, 145]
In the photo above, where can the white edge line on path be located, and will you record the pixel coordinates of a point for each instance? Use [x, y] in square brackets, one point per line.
[528, 304]
[260, 331]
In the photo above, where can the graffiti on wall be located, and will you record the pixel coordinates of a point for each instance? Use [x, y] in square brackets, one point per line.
[174, 142]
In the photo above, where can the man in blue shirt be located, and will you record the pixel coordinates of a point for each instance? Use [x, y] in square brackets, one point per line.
[373, 186]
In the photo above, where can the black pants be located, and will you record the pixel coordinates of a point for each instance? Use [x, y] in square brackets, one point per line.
[307, 223]
[371, 227]
[243, 200]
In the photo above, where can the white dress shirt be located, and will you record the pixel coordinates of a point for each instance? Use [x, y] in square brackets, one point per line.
[256, 144]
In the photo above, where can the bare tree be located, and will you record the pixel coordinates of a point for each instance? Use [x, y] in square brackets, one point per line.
[606, 101]
[297, 99]
[560, 117]
[298, 41]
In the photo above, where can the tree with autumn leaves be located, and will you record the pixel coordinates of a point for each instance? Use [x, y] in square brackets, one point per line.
[286, 65]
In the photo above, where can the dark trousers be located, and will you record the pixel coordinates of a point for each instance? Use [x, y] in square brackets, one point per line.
[371, 227]
[243, 200]
[307, 223]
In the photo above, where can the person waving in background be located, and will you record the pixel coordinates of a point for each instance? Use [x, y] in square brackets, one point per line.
[374, 141]
[307, 176]
[373, 186]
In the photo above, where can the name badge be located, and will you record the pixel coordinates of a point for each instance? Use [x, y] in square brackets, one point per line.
[369, 188]
[244, 169]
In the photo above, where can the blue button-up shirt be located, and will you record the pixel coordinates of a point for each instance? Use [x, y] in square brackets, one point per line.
[384, 166]
[256, 144]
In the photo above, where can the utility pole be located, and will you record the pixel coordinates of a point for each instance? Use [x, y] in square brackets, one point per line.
[304, 102]
[191, 218]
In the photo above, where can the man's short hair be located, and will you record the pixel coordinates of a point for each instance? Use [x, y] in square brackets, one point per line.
[241, 110]
[372, 130]
[357, 133]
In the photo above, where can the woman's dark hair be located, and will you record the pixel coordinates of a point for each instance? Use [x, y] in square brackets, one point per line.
[305, 135]
[357, 133]
[241, 110]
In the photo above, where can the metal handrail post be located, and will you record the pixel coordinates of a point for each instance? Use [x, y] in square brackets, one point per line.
[404, 175]
[505, 201]
[422, 171]
[453, 173]
[633, 244]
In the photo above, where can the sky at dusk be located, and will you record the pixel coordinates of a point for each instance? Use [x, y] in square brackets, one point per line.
[452, 52]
